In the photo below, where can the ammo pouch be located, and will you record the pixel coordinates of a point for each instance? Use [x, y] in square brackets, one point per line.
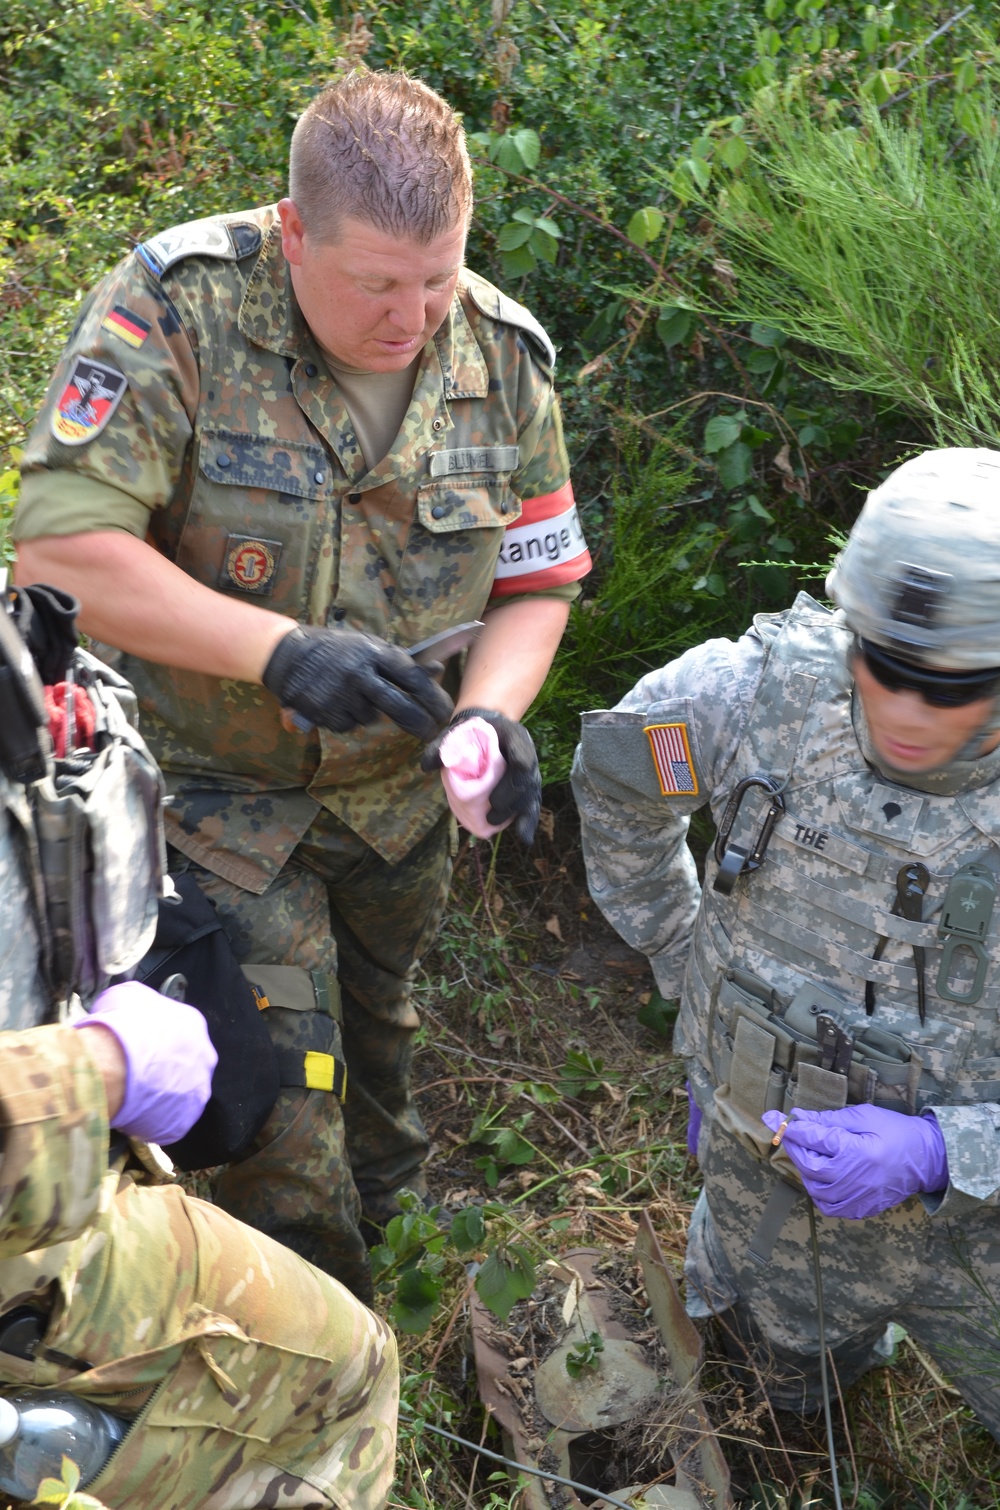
[99, 845]
[766, 1057]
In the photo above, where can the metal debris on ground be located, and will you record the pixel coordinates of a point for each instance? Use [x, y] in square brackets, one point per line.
[594, 1377]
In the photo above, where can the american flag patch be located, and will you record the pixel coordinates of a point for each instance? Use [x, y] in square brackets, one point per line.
[672, 759]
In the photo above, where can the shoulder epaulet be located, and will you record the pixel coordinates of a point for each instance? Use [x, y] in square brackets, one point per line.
[497, 306]
[215, 237]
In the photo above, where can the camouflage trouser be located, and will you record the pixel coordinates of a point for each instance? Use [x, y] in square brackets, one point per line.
[252, 1378]
[337, 907]
[939, 1280]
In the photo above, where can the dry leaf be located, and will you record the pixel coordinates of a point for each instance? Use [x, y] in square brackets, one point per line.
[547, 822]
[782, 462]
[552, 926]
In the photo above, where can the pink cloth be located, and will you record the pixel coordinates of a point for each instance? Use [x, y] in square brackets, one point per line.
[471, 766]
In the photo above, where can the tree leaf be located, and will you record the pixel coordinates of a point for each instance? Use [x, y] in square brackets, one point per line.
[735, 464]
[515, 264]
[658, 1014]
[507, 155]
[417, 1295]
[645, 225]
[734, 152]
[766, 335]
[543, 245]
[50, 1492]
[761, 361]
[506, 1276]
[529, 146]
[511, 1148]
[723, 430]
[513, 235]
[468, 1229]
[700, 171]
[674, 326]
[543, 223]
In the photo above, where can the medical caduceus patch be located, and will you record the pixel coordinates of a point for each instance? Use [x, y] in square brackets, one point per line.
[92, 393]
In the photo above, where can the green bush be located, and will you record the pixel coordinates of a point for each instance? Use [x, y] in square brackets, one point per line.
[872, 242]
[586, 118]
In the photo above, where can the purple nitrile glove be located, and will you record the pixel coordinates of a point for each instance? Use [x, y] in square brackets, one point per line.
[694, 1121]
[169, 1058]
[861, 1160]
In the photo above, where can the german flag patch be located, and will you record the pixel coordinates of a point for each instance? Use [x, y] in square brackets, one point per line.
[127, 326]
[672, 759]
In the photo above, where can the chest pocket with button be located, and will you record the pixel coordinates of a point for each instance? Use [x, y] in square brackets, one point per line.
[256, 507]
[449, 562]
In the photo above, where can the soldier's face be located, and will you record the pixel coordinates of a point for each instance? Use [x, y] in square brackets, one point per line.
[910, 734]
[372, 300]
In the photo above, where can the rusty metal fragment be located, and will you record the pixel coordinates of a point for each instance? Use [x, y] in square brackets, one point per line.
[553, 1420]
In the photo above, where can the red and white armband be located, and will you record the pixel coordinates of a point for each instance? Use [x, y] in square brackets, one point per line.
[545, 548]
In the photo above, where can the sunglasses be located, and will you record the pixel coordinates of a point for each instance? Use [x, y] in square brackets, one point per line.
[941, 689]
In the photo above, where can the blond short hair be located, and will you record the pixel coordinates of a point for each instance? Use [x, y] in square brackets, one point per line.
[383, 148]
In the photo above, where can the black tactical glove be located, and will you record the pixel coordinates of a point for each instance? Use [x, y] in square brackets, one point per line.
[339, 678]
[518, 793]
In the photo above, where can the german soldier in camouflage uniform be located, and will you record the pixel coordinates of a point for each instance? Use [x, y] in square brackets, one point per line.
[249, 1377]
[841, 967]
[283, 446]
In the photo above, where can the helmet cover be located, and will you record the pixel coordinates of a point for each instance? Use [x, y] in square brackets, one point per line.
[920, 573]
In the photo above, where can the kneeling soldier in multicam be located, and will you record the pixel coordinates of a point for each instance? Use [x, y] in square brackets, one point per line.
[245, 1376]
[839, 974]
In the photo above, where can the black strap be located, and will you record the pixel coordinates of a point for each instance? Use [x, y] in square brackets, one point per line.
[312, 1071]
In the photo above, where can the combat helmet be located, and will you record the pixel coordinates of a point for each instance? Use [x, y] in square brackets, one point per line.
[920, 573]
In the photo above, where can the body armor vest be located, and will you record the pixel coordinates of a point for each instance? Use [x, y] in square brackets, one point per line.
[816, 934]
[81, 842]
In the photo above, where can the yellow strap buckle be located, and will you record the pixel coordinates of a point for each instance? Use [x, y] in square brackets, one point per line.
[325, 1073]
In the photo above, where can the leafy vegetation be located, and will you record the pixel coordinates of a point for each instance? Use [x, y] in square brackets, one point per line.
[813, 220]
[705, 205]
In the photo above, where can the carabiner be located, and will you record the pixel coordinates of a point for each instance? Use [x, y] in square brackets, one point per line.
[733, 860]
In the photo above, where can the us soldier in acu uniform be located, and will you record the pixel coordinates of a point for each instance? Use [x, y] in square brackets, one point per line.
[324, 441]
[246, 1376]
[840, 974]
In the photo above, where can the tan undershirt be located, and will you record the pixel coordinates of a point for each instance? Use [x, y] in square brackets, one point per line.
[377, 403]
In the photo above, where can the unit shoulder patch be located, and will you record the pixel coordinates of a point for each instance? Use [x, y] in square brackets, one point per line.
[506, 311]
[211, 237]
[671, 751]
[90, 397]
